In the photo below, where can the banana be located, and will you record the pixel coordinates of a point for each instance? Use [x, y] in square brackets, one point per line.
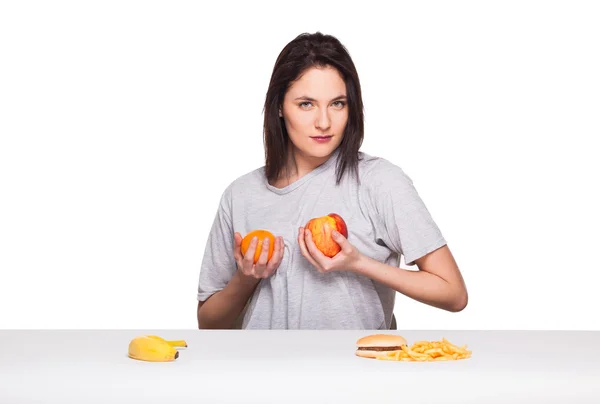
[151, 349]
[176, 343]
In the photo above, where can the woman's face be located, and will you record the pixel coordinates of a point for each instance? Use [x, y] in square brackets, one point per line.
[315, 112]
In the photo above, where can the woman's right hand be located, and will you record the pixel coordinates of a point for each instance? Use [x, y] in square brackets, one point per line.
[264, 267]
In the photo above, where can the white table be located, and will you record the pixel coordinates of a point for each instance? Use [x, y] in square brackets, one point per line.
[296, 367]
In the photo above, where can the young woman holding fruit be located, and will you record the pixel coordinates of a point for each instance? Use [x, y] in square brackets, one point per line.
[313, 239]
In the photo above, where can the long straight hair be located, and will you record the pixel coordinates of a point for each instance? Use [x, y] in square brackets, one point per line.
[302, 53]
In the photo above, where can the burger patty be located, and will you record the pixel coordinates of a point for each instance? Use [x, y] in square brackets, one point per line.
[380, 348]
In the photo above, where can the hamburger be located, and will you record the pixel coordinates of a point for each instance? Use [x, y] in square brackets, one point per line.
[376, 345]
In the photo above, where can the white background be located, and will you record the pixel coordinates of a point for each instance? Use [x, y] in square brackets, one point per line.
[122, 122]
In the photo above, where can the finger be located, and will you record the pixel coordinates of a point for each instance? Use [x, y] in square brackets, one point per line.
[341, 240]
[261, 264]
[304, 250]
[275, 260]
[237, 246]
[313, 250]
[263, 258]
[248, 260]
[325, 263]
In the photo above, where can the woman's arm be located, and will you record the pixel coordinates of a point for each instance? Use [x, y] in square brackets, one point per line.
[221, 309]
[438, 282]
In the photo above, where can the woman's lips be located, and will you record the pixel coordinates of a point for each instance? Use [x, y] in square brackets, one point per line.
[321, 139]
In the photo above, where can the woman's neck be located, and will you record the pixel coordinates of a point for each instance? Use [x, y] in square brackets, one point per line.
[298, 165]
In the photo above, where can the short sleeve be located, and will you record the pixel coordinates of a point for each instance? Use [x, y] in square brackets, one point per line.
[402, 220]
[218, 263]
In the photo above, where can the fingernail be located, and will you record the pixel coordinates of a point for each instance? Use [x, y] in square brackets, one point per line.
[335, 233]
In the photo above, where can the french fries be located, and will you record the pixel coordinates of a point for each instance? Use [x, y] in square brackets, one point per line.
[428, 351]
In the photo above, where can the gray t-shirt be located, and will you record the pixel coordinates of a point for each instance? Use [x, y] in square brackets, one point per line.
[385, 216]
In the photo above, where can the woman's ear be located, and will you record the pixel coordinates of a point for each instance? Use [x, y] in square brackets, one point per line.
[280, 114]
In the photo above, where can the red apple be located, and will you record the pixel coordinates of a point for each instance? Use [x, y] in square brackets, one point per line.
[321, 228]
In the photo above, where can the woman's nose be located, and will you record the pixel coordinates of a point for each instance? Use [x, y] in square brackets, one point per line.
[323, 121]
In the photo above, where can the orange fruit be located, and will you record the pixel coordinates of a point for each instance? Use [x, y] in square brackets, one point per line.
[261, 234]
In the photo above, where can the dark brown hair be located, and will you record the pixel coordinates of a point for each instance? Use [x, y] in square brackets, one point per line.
[302, 53]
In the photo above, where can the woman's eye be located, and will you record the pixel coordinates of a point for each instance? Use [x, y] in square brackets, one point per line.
[308, 104]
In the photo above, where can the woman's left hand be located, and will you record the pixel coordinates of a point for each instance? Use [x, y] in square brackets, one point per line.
[347, 259]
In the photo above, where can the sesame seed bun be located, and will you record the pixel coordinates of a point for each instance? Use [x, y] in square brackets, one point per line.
[380, 340]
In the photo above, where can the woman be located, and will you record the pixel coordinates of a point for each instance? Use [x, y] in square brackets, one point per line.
[313, 129]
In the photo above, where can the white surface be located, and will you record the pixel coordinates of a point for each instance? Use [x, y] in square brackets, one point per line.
[296, 367]
[122, 122]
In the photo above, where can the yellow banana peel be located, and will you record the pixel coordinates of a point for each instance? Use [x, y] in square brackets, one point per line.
[150, 349]
[174, 343]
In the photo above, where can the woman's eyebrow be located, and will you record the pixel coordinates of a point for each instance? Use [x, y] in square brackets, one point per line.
[304, 97]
